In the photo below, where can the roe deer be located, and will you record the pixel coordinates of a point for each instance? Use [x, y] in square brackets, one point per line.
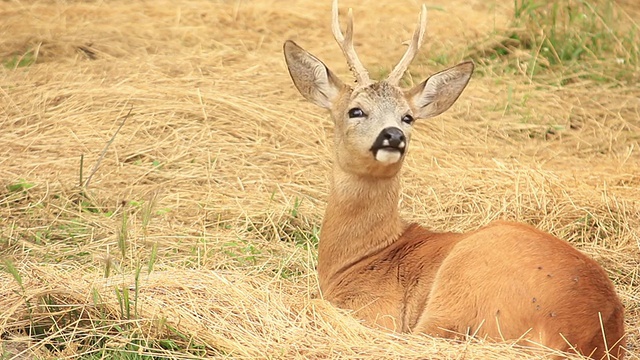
[504, 281]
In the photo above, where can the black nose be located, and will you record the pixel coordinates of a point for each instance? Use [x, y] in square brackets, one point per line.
[390, 138]
[394, 137]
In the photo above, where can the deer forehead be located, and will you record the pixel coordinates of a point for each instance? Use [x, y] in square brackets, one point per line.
[380, 96]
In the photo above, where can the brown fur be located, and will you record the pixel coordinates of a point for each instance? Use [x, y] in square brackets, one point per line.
[505, 281]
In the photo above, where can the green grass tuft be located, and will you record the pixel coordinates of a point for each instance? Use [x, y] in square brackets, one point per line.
[20, 60]
[20, 185]
[562, 42]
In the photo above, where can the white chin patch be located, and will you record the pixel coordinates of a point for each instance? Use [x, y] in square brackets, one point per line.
[388, 156]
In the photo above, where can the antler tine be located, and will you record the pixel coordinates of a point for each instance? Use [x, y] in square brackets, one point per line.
[418, 35]
[345, 41]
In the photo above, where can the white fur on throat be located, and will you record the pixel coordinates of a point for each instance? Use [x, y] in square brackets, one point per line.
[388, 156]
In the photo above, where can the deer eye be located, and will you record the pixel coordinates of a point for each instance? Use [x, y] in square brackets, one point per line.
[356, 113]
[408, 119]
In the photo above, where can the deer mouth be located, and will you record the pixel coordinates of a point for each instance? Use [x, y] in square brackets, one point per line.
[388, 154]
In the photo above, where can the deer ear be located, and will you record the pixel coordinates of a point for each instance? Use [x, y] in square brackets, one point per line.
[312, 78]
[435, 95]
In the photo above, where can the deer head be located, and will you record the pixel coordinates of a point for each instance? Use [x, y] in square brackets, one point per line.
[373, 120]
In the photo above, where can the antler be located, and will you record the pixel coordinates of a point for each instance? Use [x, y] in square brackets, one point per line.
[345, 41]
[418, 35]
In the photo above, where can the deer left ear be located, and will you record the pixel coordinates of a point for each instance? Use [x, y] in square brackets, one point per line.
[435, 95]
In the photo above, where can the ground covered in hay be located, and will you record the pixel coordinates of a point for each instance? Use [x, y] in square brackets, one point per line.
[162, 183]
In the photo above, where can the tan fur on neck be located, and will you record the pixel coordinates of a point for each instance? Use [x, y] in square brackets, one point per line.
[361, 220]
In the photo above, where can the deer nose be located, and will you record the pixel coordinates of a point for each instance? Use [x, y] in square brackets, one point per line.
[390, 138]
[393, 137]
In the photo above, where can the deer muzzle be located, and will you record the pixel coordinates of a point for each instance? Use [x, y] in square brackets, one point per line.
[390, 145]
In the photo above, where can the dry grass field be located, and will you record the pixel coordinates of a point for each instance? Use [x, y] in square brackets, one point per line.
[162, 183]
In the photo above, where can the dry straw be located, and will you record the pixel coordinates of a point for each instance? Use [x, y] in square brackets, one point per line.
[195, 237]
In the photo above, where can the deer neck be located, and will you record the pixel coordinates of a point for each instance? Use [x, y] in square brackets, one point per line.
[361, 219]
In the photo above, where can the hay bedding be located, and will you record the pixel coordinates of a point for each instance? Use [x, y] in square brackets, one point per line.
[224, 168]
[227, 313]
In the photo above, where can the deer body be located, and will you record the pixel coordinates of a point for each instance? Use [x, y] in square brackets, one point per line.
[505, 281]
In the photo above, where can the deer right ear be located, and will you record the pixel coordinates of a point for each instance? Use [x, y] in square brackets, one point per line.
[312, 78]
